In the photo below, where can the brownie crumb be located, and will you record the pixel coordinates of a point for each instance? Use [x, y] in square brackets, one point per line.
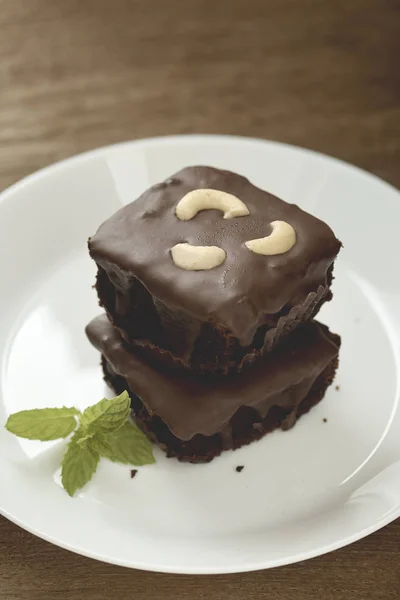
[239, 469]
[337, 387]
[133, 473]
[325, 420]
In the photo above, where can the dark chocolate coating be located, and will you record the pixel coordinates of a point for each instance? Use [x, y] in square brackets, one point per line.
[190, 404]
[243, 291]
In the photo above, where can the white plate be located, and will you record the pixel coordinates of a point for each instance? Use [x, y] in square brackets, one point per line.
[304, 492]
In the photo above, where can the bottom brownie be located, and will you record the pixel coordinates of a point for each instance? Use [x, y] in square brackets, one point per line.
[195, 418]
[246, 423]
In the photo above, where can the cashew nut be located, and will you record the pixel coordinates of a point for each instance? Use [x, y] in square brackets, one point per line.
[281, 239]
[203, 199]
[197, 258]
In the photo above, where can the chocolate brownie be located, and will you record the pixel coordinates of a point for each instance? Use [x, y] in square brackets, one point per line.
[195, 418]
[208, 272]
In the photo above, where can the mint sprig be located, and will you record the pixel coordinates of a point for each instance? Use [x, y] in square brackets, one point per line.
[102, 430]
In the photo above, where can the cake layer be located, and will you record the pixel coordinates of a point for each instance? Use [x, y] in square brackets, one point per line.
[245, 427]
[214, 319]
[175, 340]
[189, 404]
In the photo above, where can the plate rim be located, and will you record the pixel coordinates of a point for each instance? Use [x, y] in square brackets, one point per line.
[183, 570]
[194, 139]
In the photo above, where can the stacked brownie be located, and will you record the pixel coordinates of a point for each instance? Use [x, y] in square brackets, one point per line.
[210, 286]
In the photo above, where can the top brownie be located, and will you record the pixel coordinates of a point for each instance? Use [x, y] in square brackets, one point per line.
[256, 276]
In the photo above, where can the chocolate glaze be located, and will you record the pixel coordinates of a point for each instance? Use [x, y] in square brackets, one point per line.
[190, 404]
[241, 293]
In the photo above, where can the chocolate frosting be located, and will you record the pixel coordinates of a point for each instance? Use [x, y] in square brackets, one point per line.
[190, 403]
[241, 292]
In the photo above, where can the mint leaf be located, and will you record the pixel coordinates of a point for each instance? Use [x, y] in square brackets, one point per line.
[107, 415]
[128, 446]
[43, 424]
[79, 463]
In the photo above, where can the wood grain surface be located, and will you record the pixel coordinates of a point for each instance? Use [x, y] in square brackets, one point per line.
[76, 74]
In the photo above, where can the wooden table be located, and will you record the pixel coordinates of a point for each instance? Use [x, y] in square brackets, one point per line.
[76, 74]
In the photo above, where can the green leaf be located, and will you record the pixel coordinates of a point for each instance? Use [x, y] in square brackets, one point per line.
[79, 463]
[128, 446]
[107, 415]
[43, 424]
